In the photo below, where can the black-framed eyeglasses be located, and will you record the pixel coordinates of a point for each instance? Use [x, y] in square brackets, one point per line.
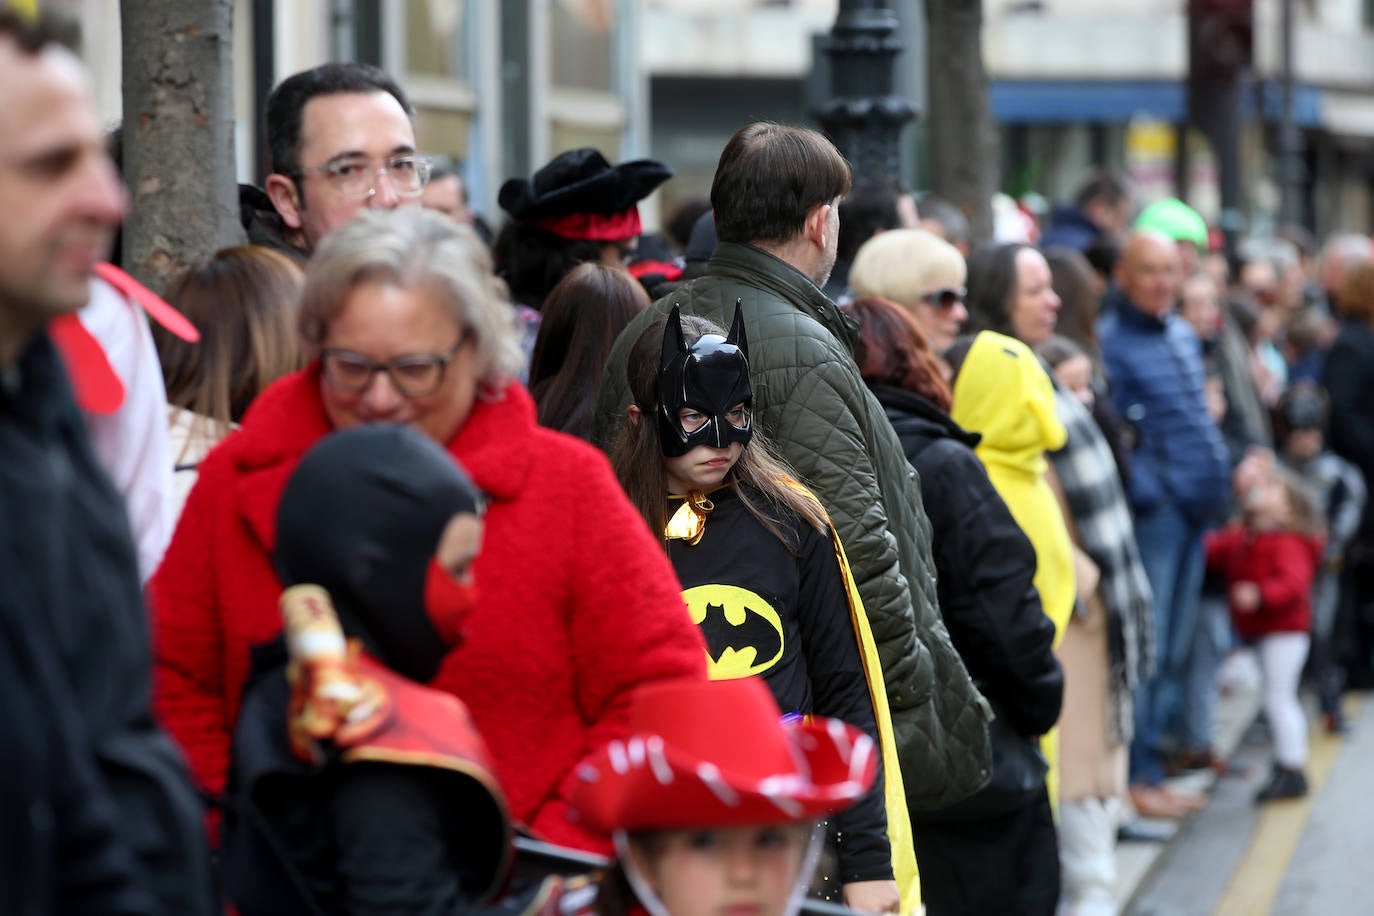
[946, 297]
[357, 177]
[414, 376]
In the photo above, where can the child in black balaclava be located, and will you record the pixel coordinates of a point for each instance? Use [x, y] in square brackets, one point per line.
[353, 788]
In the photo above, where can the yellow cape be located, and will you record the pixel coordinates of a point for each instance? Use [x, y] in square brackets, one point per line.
[899, 833]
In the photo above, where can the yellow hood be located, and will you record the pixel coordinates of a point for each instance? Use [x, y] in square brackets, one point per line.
[1004, 393]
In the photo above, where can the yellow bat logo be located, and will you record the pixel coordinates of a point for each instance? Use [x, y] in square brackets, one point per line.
[743, 633]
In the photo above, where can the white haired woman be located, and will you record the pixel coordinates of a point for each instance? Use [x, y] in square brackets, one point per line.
[576, 604]
[922, 273]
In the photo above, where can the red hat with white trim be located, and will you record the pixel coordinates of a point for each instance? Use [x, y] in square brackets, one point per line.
[716, 754]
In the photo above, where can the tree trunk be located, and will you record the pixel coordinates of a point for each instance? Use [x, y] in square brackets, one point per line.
[178, 135]
[963, 139]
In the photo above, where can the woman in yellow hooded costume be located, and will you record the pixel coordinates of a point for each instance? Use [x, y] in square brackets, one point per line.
[1001, 390]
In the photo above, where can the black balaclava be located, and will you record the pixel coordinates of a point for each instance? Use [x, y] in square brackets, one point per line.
[361, 517]
[711, 376]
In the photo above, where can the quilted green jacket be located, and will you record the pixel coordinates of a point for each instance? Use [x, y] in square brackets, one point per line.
[810, 400]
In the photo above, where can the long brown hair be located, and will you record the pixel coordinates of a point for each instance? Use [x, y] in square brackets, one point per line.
[637, 453]
[893, 351]
[243, 302]
[582, 317]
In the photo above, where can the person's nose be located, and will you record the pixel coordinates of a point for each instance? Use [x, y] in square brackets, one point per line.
[381, 399]
[1054, 300]
[959, 313]
[742, 867]
[101, 195]
[384, 196]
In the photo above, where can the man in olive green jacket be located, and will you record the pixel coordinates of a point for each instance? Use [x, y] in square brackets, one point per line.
[776, 196]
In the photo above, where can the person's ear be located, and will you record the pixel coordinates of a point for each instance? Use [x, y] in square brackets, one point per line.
[816, 225]
[285, 197]
[643, 863]
[633, 413]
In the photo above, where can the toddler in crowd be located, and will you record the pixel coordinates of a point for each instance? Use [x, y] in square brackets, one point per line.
[1300, 431]
[1269, 560]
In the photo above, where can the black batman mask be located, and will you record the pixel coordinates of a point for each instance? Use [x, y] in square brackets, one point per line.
[710, 377]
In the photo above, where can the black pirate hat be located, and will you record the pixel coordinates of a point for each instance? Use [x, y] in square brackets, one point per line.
[580, 195]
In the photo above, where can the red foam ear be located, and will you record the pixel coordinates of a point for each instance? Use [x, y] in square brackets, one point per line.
[157, 308]
[97, 387]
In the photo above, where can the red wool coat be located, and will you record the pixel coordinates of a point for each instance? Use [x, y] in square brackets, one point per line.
[576, 601]
[1282, 563]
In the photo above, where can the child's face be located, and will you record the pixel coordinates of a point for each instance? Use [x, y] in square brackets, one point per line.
[704, 467]
[1076, 374]
[1268, 505]
[1303, 444]
[735, 871]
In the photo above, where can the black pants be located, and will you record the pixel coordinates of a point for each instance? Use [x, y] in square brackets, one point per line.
[1003, 865]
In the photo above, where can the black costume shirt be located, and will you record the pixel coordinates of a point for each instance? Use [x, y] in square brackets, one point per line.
[764, 611]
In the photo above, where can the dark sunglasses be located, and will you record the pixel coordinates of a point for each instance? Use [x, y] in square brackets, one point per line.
[945, 298]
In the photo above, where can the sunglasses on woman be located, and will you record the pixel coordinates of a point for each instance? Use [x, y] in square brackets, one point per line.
[945, 297]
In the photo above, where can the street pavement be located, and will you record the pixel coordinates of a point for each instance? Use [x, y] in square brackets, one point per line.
[1309, 857]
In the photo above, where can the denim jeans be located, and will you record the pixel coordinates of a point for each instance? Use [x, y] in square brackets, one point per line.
[1171, 549]
[1212, 639]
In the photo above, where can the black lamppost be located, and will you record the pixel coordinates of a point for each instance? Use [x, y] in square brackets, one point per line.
[864, 117]
[1291, 169]
[1220, 52]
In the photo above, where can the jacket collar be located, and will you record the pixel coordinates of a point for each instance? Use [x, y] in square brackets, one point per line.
[1129, 313]
[929, 419]
[495, 445]
[756, 267]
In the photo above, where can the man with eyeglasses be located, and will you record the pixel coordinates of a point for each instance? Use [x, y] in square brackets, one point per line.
[342, 138]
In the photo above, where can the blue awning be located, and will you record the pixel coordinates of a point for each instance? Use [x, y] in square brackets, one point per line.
[1073, 102]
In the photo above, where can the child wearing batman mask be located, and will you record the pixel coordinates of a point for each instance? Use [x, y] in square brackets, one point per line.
[763, 573]
[354, 789]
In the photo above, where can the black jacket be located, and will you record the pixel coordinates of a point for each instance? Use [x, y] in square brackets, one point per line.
[786, 618]
[70, 574]
[985, 567]
[1349, 379]
[263, 224]
[59, 853]
[340, 839]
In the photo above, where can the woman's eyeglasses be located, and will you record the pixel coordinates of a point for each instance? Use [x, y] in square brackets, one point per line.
[945, 298]
[413, 376]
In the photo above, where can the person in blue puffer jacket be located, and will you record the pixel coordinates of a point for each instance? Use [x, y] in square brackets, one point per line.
[1179, 479]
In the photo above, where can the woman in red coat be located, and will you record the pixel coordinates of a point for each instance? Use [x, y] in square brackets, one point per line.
[577, 603]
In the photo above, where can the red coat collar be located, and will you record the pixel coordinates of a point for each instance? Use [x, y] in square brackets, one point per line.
[495, 445]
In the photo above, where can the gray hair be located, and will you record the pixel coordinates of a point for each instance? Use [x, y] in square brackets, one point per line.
[412, 247]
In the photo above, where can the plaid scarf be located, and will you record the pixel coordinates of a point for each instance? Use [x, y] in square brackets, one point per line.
[1088, 474]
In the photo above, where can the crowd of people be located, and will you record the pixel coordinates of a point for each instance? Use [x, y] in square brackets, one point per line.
[829, 554]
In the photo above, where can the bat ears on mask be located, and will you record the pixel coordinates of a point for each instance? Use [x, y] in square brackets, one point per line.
[674, 341]
[737, 335]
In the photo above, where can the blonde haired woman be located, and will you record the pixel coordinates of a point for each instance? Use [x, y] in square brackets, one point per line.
[922, 273]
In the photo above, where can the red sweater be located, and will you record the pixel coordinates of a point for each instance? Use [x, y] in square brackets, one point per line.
[577, 603]
[1282, 563]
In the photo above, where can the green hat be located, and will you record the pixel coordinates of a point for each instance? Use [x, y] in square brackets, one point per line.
[1175, 219]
